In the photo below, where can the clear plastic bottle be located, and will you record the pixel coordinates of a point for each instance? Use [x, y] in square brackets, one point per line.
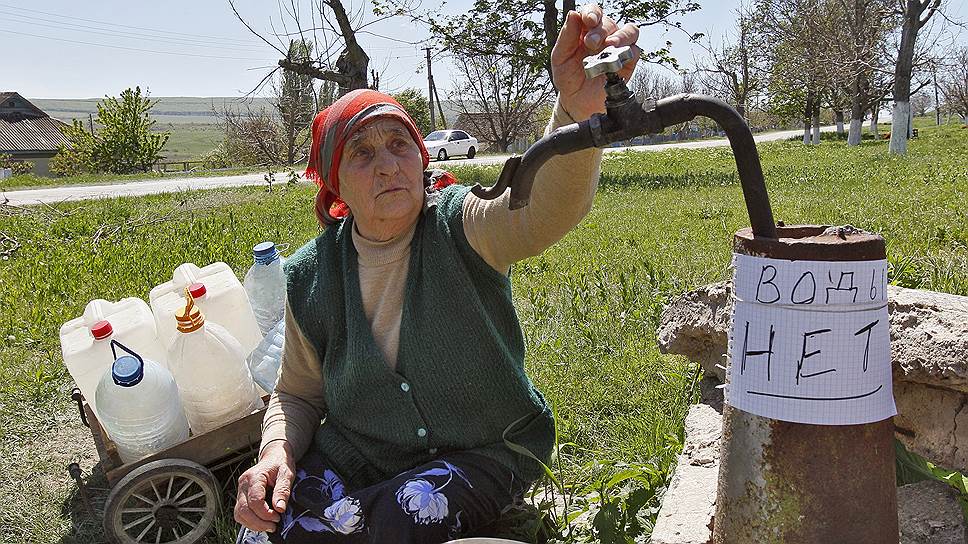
[139, 407]
[265, 283]
[86, 340]
[265, 360]
[209, 367]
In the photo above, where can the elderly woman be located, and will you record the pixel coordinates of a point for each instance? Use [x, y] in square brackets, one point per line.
[401, 335]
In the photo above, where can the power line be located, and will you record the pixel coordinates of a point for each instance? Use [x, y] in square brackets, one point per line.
[241, 41]
[121, 34]
[132, 48]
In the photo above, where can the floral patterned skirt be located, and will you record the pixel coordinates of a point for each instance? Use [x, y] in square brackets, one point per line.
[432, 503]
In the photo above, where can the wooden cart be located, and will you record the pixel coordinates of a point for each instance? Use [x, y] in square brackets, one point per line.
[173, 496]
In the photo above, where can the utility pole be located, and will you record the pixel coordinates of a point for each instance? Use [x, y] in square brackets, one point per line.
[430, 92]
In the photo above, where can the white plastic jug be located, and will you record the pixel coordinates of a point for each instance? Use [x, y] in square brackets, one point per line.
[265, 283]
[86, 340]
[218, 294]
[139, 406]
[209, 368]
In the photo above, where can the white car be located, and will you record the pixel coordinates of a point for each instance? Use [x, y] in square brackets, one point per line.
[447, 143]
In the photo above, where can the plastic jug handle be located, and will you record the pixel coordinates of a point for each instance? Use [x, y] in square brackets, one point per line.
[115, 344]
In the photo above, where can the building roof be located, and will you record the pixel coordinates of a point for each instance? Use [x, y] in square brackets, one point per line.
[25, 127]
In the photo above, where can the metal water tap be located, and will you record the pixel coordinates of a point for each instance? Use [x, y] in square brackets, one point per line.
[625, 118]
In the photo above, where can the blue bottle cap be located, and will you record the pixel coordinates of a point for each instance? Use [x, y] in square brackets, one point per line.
[127, 371]
[265, 252]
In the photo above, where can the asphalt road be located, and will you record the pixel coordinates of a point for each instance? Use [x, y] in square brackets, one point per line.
[53, 195]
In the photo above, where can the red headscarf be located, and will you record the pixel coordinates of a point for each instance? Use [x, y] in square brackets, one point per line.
[332, 127]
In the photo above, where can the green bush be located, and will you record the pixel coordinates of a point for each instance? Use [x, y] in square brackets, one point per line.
[19, 168]
[124, 144]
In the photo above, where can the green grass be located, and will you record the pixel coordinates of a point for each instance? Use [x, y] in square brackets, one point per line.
[33, 182]
[662, 223]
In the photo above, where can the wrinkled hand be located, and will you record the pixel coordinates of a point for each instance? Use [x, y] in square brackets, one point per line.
[585, 33]
[275, 470]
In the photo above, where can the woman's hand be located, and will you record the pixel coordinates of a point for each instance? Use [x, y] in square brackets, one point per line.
[276, 470]
[584, 33]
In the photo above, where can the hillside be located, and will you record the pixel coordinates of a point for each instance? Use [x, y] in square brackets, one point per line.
[169, 109]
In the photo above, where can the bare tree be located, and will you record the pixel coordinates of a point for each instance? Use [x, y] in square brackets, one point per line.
[798, 73]
[296, 103]
[277, 133]
[252, 135]
[526, 30]
[858, 51]
[954, 85]
[500, 96]
[646, 83]
[735, 71]
[916, 14]
[336, 54]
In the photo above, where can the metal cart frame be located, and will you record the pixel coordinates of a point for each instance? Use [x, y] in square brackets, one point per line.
[173, 496]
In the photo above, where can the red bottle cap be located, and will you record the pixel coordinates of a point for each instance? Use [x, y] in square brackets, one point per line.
[197, 289]
[101, 330]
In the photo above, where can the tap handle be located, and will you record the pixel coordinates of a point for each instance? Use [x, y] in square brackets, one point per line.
[610, 60]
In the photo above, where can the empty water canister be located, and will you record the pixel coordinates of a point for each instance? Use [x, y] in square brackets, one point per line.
[139, 406]
[209, 368]
[86, 340]
[218, 294]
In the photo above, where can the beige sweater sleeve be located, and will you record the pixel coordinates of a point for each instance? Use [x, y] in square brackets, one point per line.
[297, 405]
[562, 195]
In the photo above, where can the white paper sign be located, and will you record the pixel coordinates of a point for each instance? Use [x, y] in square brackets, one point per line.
[810, 341]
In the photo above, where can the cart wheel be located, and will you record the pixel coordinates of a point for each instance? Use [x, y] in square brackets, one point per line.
[169, 501]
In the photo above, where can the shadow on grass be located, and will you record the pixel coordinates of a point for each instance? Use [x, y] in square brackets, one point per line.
[634, 179]
[85, 509]
[621, 179]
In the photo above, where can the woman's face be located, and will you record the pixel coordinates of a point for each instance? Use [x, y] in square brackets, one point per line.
[381, 178]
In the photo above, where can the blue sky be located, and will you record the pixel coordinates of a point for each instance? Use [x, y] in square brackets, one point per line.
[70, 49]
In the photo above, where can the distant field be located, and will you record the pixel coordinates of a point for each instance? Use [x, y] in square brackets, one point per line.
[169, 109]
[190, 141]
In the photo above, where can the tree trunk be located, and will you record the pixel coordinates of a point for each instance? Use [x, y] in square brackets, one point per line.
[807, 112]
[900, 119]
[353, 61]
[816, 119]
[854, 135]
[839, 117]
[874, 114]
[910, 133]
[900, 125]
[550, 21]
[857, 100]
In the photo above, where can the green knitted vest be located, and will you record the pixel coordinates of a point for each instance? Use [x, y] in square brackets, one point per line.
[459, 384]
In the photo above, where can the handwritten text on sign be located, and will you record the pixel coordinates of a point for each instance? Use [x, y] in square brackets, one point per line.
[810, 341]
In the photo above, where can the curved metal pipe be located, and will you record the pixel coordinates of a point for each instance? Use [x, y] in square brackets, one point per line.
[626, 118]
[685, 107]
[519, 172]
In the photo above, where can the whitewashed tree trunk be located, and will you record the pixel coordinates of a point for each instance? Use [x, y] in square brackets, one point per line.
[816, 128]
[910, 123]
[900, 124]
[853, 135]
[874, 113]
[806, 132]
[839, 116]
